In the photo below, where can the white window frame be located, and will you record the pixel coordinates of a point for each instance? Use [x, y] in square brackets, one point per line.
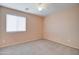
[17, 25]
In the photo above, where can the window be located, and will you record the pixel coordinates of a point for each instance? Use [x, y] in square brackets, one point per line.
[15, 23]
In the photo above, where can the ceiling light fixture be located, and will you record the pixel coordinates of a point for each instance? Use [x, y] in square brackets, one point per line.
[40, 9]
[42, 6]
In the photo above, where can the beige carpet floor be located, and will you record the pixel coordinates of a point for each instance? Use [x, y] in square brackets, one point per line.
[39, 47]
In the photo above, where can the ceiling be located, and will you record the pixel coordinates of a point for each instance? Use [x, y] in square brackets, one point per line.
[32, 7]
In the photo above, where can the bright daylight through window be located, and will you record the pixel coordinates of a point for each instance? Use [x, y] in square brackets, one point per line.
[15, 23]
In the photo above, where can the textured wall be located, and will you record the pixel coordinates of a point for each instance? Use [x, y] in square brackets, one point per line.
[0, 29]
[34, 28]
[63, 27]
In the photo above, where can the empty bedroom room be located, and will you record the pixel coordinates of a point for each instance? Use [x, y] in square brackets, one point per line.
[39, 29]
